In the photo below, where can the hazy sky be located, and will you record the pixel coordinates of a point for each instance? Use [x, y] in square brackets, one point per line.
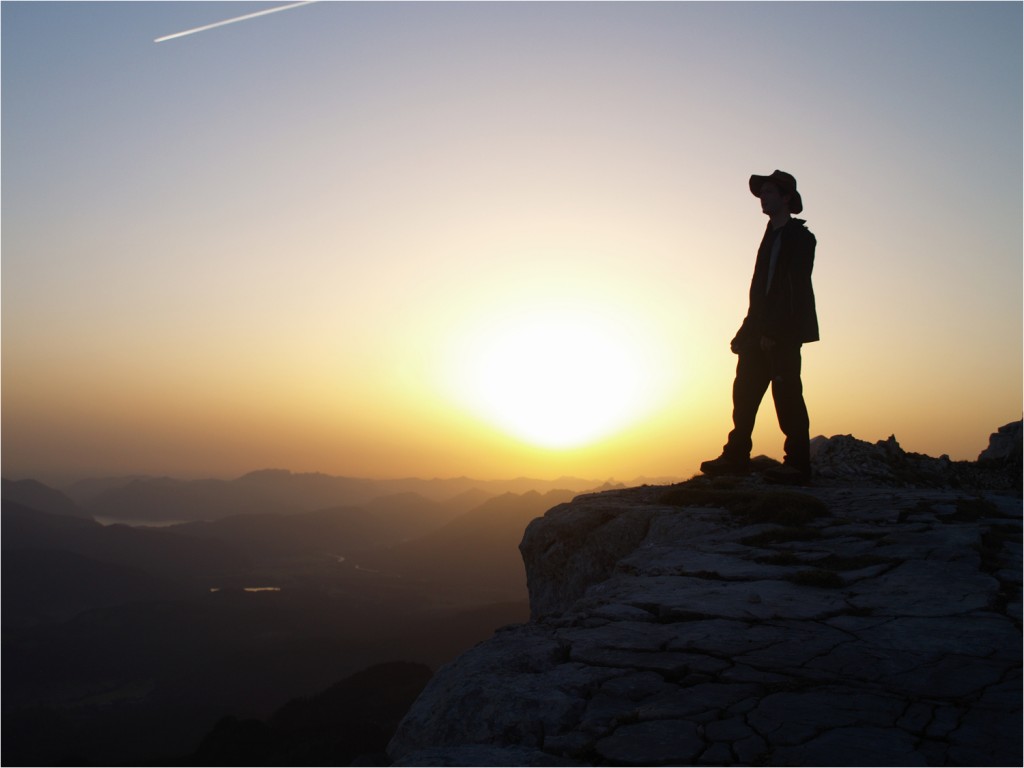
[494, 239]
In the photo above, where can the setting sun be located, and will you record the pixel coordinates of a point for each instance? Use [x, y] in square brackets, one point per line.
[310, 310]
[384, 242]
[556, 377]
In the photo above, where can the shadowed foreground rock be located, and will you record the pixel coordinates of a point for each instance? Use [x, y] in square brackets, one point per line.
[723, 623]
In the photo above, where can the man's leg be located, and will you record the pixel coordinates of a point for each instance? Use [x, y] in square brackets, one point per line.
[788, 393]
[752, 378]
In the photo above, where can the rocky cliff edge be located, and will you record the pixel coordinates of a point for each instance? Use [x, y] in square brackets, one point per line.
[872, 619]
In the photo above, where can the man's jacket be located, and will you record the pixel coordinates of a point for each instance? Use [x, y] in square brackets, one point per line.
[783, 310]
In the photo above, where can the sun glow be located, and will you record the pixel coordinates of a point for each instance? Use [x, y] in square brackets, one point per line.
[557, 377]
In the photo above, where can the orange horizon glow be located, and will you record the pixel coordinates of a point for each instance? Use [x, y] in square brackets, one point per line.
[495, 240]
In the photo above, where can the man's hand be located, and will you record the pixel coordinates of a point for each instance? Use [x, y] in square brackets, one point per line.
[767, 345]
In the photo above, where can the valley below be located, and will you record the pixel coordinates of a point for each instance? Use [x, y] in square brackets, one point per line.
[131, 645]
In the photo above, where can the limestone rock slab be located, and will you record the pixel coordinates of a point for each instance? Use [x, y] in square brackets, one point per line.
[886, 632]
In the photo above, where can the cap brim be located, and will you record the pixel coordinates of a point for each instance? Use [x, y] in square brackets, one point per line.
[756, 182]
[796, 204]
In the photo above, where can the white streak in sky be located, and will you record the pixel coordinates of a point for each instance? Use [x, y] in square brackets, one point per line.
[232, 21]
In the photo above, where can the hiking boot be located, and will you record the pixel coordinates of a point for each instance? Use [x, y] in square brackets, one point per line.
[787, 474]
[726, 465]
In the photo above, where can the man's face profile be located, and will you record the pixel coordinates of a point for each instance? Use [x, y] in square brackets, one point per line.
[772, 201]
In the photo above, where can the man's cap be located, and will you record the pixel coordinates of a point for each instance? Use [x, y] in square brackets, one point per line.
[786, 184]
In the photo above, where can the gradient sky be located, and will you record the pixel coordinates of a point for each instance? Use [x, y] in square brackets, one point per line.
[367, 238]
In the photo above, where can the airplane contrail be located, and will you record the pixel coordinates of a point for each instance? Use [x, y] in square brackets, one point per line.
[232, 21]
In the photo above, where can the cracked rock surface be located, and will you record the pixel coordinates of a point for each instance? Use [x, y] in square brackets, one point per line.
[725, 623]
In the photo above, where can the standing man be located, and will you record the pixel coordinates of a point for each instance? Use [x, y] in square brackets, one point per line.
[781, 318]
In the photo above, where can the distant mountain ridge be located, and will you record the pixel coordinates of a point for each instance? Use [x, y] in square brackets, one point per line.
[474, 547]
[35, 495]
[278, 491]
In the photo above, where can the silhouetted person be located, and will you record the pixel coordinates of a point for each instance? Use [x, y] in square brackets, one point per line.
[781, 318]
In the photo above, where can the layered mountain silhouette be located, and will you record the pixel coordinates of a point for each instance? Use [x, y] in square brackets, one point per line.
[163, 499]
[55, 566]
[471, 549]
[35, 495]
[215, 637]
[128, 644]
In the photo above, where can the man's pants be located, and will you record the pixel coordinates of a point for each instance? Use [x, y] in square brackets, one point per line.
[754, 372]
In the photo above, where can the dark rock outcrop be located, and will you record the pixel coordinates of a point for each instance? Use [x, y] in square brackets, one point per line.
[1005, 444]
[846, 459]
[863, 621]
